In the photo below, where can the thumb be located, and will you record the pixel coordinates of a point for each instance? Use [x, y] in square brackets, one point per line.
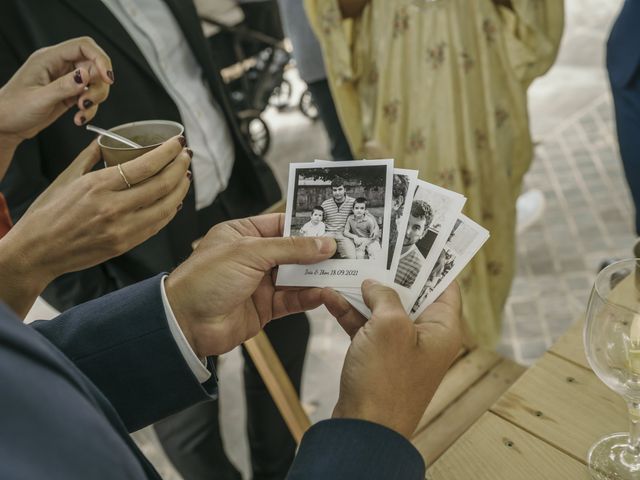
[65, 89]
[290, 250]
[383, 302]
[85, 161]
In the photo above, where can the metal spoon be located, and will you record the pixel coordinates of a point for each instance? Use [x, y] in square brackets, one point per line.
[113, 136]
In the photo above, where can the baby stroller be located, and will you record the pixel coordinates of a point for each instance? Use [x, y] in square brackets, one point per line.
[247, 43]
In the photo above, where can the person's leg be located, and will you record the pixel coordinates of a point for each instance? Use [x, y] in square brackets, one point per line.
[191, 439]
[374, 249]
[324, 101]
[272, 446]
[345, 247]
[360, 251]
[627, 108]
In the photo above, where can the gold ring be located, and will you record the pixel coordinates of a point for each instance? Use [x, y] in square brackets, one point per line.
[123, 176]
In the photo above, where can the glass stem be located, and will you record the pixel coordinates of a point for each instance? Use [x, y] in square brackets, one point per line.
[634, 429]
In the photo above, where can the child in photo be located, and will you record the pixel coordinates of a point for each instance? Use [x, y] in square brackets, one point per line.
[363, 230]
[411, 260]
[315, 226]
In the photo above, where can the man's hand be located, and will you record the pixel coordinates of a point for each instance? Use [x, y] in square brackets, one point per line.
[394, 365]
[224, 293]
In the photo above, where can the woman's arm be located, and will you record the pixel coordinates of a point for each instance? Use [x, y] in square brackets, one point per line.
[352, 8]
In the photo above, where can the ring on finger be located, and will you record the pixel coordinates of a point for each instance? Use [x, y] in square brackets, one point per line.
[123, 176]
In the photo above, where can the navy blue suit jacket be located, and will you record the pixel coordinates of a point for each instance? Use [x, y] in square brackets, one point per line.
[623, 47]
[74, 387]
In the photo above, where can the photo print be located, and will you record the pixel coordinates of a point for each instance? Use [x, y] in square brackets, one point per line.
[431, 218]
[350, 201]
[463, 243]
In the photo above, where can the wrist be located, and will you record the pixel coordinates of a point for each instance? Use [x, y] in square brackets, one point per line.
[8, 145]
[374, 414]
[20, 280]
[183, 317]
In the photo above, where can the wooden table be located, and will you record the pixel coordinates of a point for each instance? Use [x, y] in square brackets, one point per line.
[543, 426]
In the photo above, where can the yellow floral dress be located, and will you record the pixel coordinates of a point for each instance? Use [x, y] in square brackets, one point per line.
[441, 86]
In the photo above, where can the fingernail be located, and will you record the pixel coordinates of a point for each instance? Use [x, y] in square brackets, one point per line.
[190, 152]
[110, 75]
[77, 77]
[83, 120]
[179, 207]
[369, 282]
[182, 140]
[325, 245]
[189, 175]
[87, 103]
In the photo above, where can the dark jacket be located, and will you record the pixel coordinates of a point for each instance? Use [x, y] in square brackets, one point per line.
[623, 46]
[137, 95]
[75, 386]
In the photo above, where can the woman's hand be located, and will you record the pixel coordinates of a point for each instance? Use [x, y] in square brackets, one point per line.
[84, 219]
[52, 80]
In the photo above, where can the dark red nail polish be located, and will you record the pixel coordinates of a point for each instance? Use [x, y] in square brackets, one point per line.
[179, 207]
[77, 77]
[87, 103]
[83, 120]
[182, 140]
[110, 75]
[190, 152]
[189, 175]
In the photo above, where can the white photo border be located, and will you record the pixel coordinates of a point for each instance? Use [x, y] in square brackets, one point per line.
[332, 272]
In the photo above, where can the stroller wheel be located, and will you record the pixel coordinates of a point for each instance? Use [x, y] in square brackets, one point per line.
[308, 106]
[281, 95]
[257, 133]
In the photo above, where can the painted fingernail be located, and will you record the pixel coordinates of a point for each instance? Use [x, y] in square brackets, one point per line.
[83, 120]
[77, 77]
[179, 207]
[190, 152]
[189, 175]
[110, 75]
[87, 103]
[182, 140]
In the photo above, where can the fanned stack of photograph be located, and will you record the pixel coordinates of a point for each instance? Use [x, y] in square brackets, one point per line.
[388, 225]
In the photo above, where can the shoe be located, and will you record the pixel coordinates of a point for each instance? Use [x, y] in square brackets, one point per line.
[529, 209]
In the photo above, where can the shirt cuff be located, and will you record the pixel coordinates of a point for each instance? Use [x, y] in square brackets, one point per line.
[197, 366]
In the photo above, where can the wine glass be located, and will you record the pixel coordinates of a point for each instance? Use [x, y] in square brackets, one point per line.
[612, 345]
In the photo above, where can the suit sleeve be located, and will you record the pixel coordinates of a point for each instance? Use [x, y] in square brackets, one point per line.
[348, 449]
[24, 181]
[123, 343]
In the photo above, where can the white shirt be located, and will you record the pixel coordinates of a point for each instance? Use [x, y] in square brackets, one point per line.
[198, 367]
[153, 28]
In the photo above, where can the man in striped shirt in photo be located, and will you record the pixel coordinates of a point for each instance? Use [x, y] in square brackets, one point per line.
[411, 260]
[336, 211]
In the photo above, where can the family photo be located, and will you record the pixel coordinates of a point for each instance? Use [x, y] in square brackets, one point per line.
[345, 204]
[349, 201]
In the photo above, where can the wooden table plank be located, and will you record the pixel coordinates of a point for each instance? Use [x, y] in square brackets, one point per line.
[460, 377]
[564, 404]
[570, 346]
[494, 449]
[461, 414]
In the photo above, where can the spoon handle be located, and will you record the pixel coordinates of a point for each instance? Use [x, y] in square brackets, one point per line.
[114, 136]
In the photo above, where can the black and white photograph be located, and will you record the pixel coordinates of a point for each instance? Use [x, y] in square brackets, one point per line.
[432, 214]
[350, 201]
[463, 243]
